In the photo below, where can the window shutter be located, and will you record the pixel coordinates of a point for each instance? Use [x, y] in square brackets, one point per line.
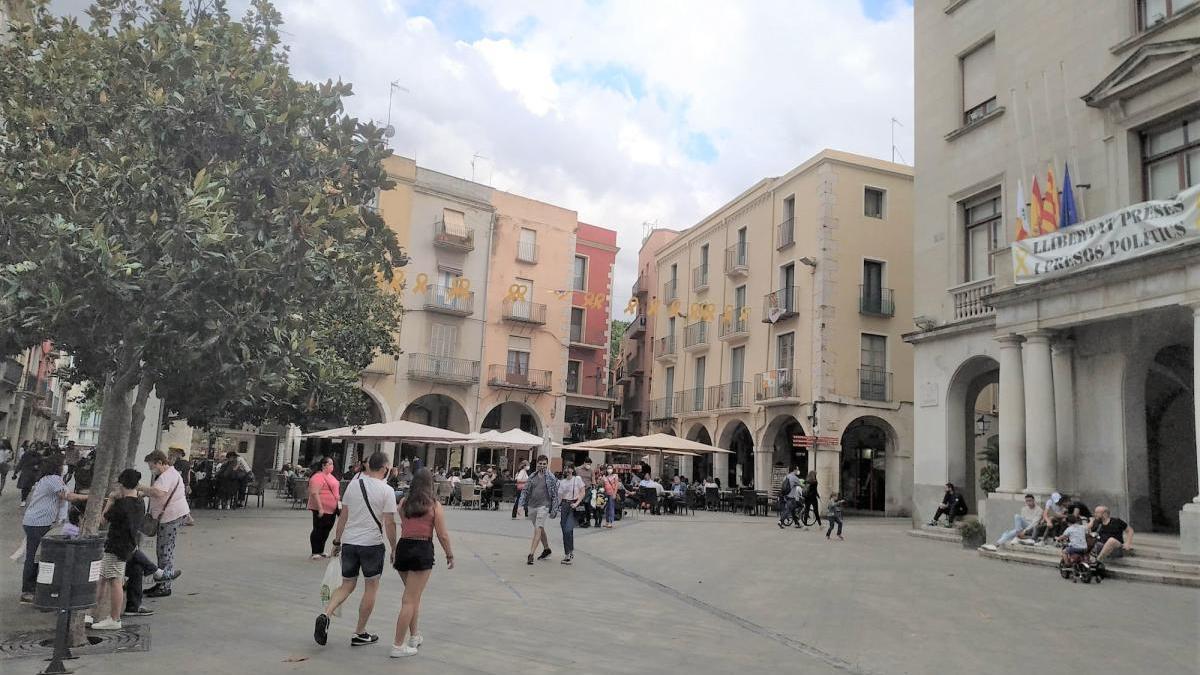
[455, 221]
[979, 75]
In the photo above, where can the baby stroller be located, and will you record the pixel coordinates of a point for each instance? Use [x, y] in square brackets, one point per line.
[1080, 567]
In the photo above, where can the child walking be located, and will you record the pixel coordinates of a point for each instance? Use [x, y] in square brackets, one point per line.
[834, 513]
[124, 516]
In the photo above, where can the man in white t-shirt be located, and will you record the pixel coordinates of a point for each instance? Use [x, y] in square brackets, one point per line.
[368, 518]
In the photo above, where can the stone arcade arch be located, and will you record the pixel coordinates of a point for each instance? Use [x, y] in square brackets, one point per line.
[869, 455]
[966, 435]
[737, 438]
[436, 410]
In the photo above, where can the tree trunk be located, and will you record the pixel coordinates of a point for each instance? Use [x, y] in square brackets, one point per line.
[137, 419]
[110, 451]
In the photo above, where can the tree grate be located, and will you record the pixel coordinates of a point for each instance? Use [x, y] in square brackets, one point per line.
[41, 644]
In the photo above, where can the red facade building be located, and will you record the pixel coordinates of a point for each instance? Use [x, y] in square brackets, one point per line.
[589, 400]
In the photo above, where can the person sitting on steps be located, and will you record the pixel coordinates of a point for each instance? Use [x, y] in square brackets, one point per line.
[953, 506]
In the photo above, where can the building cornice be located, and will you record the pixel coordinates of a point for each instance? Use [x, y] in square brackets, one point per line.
[950, 330]
[450, 196]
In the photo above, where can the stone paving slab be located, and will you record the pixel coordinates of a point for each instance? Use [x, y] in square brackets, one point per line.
[709, 593]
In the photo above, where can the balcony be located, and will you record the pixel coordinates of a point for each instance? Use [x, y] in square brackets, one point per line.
[454, 238]
[443, 369]
[968, 299]
[382, 364]
[442, 299]
[592, 388]
[781, 304]
[737, 259]
[635, 365]
[671, 290]
[637, 326]
[874, 384]
[524, 312]
[580, 338]
[622, 376]
[700, 278]
[875, 301]
[11, 372]
[693, 400]
[527, 252]
[527, 379]
[666, 408]
[695, 336]
[729, 395]
[785, 234]
[776, 385]
[665, 349]
[737, 328]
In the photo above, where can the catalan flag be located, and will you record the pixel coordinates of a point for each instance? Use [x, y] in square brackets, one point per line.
[1035, 210]
[1022, 212]
[1050, 204]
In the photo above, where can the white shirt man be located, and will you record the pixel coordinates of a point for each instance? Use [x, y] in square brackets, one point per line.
[363, 527]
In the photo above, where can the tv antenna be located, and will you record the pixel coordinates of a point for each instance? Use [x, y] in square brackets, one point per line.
[389, 130]
[894, 150]
[475, 158]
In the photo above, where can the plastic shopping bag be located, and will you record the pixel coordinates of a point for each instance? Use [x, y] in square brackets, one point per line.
[330, 582]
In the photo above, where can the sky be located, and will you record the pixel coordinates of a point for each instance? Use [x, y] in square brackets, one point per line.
[626, 111]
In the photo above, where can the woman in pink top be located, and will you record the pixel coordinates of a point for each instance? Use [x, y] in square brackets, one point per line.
[324, 493]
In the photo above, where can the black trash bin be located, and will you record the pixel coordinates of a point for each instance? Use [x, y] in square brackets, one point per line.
[68, 572]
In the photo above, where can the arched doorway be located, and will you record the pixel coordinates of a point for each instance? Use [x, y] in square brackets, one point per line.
[344, 453]
[737, 439]
[503, 417]
[782, 438]
[865, 453]
[702, 466]
[1170, 435]
[972, 434]
[435, 410]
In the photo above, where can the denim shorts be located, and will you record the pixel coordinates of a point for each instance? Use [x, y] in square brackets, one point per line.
[367, 558]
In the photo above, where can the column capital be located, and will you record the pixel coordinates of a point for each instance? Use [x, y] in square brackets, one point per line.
[1064, 346]
[1009, 340]
[1195, 307]
[1040, 336]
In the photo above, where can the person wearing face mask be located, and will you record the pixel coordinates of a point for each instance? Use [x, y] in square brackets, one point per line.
[168, 503]
[612, 483]
[571, 494]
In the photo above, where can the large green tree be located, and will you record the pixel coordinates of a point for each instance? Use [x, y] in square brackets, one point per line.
[178, 212]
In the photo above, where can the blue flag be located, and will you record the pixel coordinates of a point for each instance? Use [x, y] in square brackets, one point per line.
[1068, 216]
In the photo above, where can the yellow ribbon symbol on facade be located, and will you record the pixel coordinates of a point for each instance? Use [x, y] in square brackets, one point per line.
[632, 307]
[673, 308]
[727, 315]
[1019, 262]
[422, 283]
[595, 300]
[516, 293]
[744, 314]
[459, 289]
[652, 310]
[695, 310]
[708, 311]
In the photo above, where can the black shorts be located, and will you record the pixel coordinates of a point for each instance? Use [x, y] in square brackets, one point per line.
[367, 558]
[414, 555]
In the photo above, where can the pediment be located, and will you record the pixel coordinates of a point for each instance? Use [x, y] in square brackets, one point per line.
[1147, 67]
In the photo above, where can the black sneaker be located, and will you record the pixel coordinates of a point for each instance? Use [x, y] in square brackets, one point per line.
[360, 639]
[545, 554]
[158, 592]
[139, 611]
[528, 561]
[321, 632]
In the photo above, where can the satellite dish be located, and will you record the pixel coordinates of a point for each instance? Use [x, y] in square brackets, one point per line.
[389, 131]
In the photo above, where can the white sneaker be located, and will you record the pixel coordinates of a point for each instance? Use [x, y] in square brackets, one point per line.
[88, 620]
[415, 641]
[988, 547]
[107, 624]
[400, 651]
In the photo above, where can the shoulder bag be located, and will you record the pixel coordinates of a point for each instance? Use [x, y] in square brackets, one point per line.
[150, 523]
[367, 501]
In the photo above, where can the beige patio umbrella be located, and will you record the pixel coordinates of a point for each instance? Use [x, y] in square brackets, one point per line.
[662, 442]
[398, 430]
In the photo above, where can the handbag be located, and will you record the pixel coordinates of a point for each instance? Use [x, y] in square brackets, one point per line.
[150, 523]
[367, 501]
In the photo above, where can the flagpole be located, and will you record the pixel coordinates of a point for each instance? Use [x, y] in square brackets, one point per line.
[1050, 121]
[1017, 127]
[1032, 121]
[1072, 151]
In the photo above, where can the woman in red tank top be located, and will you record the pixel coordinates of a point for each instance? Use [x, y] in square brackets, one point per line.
[421, 516]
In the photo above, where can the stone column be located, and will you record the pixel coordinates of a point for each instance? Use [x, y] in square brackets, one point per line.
[1063, 364]
[1041, 437]
[1189, 517]
[1012, 415]
[721, 467]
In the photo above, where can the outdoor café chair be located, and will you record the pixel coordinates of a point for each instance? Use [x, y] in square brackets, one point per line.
[469, 494]
[299, 492]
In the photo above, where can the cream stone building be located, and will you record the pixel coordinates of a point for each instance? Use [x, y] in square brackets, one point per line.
[778, 322]
[1095, 364]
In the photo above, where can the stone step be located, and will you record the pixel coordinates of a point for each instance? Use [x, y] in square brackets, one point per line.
[948, 535]
[1115, 570]
[1179, 564]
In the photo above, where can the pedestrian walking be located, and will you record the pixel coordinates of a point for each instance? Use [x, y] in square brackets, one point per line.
[835, 514]
[522, 480]
[28, 472]
[612, 485]
[588, 476]
[812, 497]
[541, 502]
[324, 493]
[6, 461]
[571, 493]
[367, 521]
[168, 504]
[420, 517]
[47, 497]
[123, 513]
[789, 492]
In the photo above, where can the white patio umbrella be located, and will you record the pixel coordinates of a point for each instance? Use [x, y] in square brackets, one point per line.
[660, 442]
[398, 430]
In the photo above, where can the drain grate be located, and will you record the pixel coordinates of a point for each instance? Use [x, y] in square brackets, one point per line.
[33, 645]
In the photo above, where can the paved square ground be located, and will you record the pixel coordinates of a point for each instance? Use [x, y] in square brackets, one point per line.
[709, 593]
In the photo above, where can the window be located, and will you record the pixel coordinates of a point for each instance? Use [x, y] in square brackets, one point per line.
[580, 276]
[700, 276]
[443, 339]
[873, 202]
[785, 350]
[978, 81]
[698, 385]
[573, 376]
[873, 375]
[518, 355]
[874, 352]
[737, 373]
[1171, 157]
[1153, 12]
[670, 395]
[739, 299]
[527, 245]
[872, 288]
[524, 308]
[455, 222]
[787, 290]
[576, 324]
[787, 227]
[981, 219]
